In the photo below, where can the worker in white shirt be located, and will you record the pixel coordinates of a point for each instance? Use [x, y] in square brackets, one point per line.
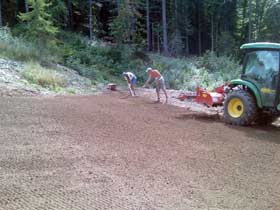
[131, 82]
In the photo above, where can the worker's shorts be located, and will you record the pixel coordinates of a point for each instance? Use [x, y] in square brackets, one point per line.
[160, 84]
[133, 81]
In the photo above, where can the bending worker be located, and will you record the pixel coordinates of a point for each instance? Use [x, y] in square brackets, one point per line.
[131, 82]
[159, 82]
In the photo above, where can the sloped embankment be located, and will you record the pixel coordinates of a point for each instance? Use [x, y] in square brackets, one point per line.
[13, 83]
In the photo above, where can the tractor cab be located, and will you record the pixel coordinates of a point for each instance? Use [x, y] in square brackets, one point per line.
[257, 93]
[261, 68]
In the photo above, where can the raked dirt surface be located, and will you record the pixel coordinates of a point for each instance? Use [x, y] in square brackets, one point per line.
[108, 152]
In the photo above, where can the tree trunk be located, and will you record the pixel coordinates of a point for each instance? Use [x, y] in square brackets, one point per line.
[258, 15]
[26, 6]
[212, 33]
[1, 21]
[164, 28]
[148, 26]
[90, 20]
[158, 40]
[250, 21]
[244, 17]
[118, 2]
[199, 29]
[153, 37]
[177, 36]
[70, 16]
[217, 33]
[187, 51]
[176, 14]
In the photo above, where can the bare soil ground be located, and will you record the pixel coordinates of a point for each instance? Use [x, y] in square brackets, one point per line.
[105, 152]
[173, 100]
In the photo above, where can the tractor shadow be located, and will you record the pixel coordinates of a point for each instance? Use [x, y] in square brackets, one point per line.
[269, 133]
[200, 116]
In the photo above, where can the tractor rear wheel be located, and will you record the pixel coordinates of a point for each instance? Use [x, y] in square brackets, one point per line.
[240, 108]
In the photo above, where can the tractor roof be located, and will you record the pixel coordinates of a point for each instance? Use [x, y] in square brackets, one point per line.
[261, 45]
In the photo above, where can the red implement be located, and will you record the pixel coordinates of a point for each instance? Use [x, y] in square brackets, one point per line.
[187, 95]
[208, 98]
[202, 96]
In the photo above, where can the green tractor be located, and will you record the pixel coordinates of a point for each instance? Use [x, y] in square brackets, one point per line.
[255, 97]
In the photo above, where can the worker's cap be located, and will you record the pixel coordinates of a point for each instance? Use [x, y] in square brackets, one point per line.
[149, 69]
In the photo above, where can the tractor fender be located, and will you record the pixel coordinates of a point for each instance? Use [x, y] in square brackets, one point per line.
[252, 88]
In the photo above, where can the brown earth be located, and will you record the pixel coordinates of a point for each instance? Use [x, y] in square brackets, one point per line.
[105, 152]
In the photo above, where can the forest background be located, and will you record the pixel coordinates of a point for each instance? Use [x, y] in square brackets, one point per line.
[192, 42]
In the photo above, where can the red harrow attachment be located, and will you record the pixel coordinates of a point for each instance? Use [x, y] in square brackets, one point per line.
[202, 96]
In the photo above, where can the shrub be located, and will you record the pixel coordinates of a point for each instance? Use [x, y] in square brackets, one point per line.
[19, 49]
[208, 71]
[47, 78]
[225, 66]
[71, 90]
[96, 61]
[16, 48]
[102, 62]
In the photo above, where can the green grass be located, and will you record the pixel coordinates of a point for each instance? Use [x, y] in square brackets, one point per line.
[47, 78]
[70, 91]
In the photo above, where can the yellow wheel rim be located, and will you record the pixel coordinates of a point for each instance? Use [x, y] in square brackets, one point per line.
[235, 107]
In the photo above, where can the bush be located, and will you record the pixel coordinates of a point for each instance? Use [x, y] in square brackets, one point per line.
[99, 61]
[103, 62]
[19, 49]
[16, 48]
[47, 78]
[208, 71]
[223, 66]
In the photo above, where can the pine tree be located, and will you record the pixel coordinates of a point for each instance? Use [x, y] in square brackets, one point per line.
[272, 22]
[58, 11]
[175, 41]
[125, 26]
[184, 23]
[39, 23]
[178, 27]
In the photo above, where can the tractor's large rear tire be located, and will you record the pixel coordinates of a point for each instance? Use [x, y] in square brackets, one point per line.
[240, 108]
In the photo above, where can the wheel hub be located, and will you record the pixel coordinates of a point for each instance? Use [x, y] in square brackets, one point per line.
[235, 108]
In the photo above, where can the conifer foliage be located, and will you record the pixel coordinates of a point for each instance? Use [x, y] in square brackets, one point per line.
[170, 27]
[39, 24]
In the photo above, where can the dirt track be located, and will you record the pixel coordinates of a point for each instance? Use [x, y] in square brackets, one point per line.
[104, 152]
